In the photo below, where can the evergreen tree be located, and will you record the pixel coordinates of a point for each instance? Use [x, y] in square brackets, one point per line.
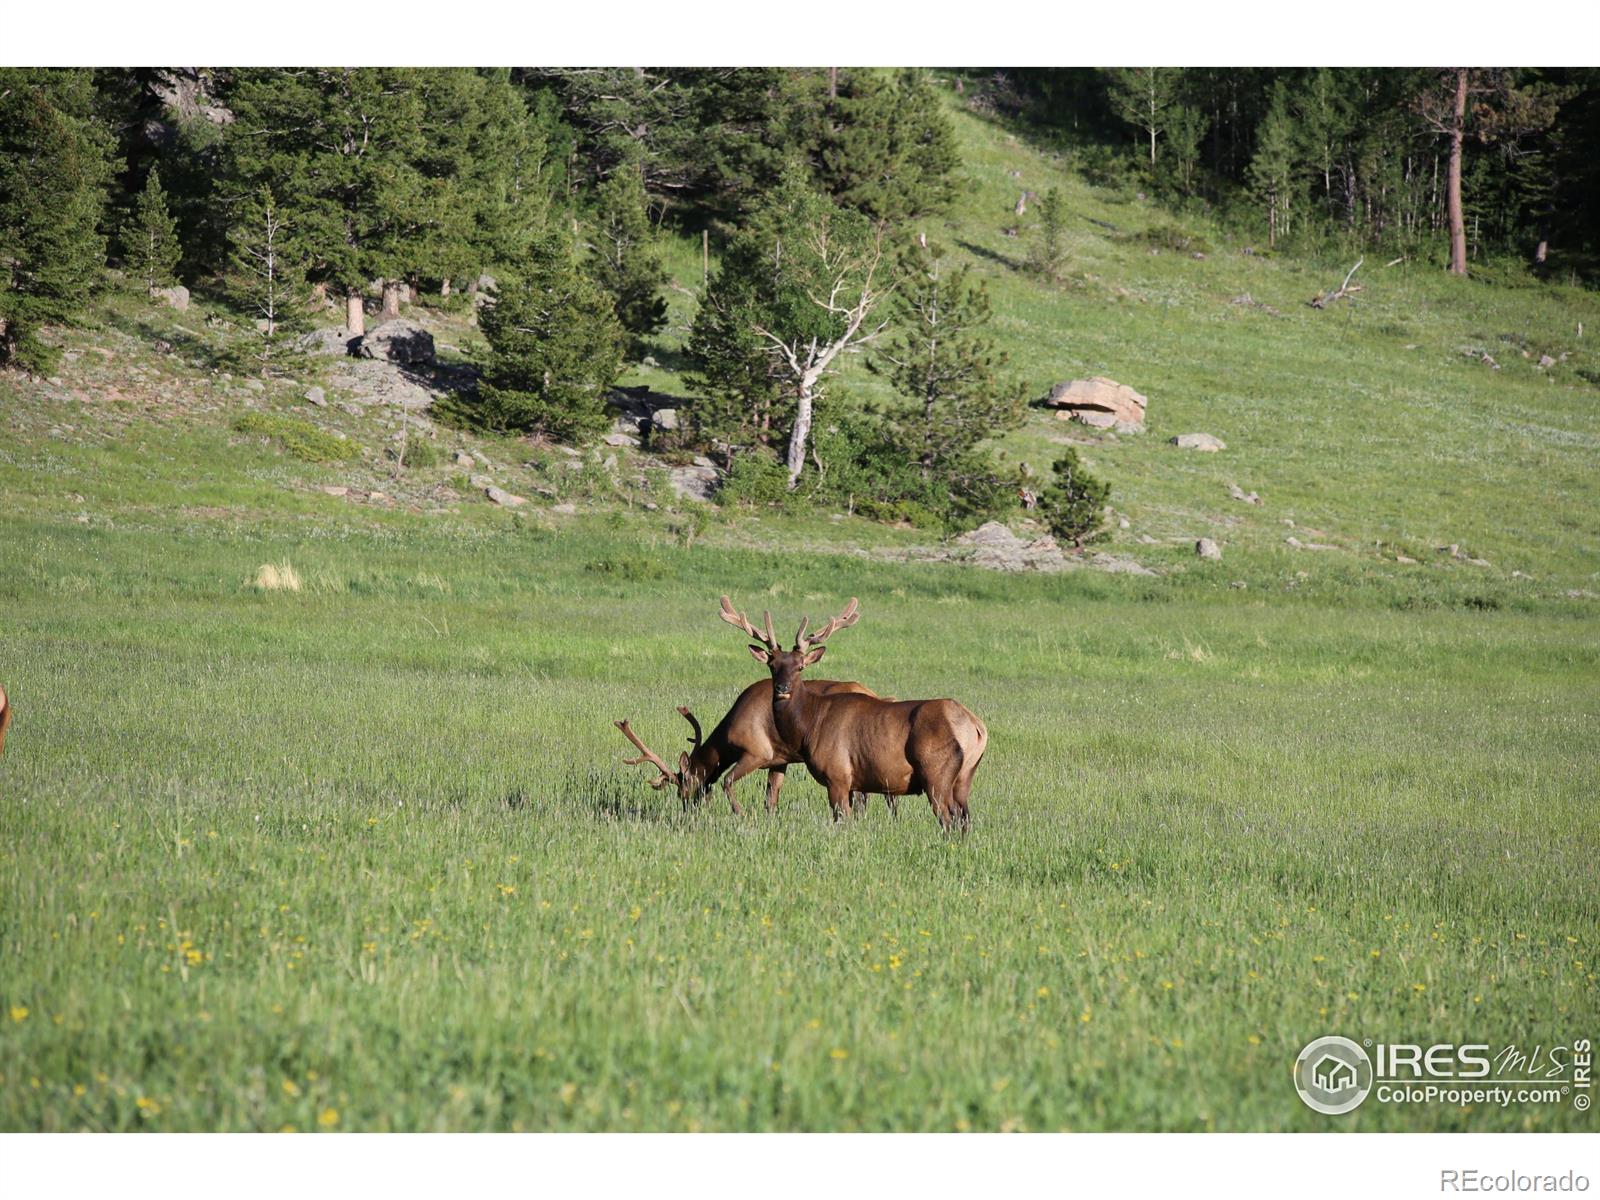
[802, 281]
[554, 348]
[627, 255]
[150, 237]
[879, 145]
[1273, 169]
[267, 279]
[54, 169]
[941, 361]
[1049, 249]
[1186, 129]
[347, 154]
[1074, 503]
[1144, 97]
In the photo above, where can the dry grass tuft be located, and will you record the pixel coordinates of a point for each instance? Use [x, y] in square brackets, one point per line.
[276, 577]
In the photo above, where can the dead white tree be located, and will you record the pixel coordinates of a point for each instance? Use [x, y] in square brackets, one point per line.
[853, 275]
[269, 277]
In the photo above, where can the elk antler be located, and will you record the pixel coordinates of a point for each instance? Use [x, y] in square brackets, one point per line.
[689, 717]
[845, 619]
[668, 775]
[739, 621]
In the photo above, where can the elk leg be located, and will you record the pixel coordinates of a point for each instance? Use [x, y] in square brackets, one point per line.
[774, 786]
[838, 800]
[940, 809]
[963, 790]
[743, 767]
[894, 805]
[858, 802]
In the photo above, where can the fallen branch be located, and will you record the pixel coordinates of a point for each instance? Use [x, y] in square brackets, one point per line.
[1345, 288]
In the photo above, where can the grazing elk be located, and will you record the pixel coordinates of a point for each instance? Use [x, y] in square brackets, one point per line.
[5, 718]
[744, 741]
[855, 743]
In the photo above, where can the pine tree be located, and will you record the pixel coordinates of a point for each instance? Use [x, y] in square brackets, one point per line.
[54, 168]
[268, 279]
[1074, 503]
[1273, 169]
[940, 360]
[554, 348]
[1144, 97]
[1049, 250]
[150, 237]
[627, 254]
[878, 145]
[1186, 129]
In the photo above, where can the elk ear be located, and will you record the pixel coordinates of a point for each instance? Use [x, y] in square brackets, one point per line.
[683, 762]
[760, 654]
[816, 655]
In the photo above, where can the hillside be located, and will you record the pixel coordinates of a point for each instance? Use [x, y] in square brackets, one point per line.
[1376, 423]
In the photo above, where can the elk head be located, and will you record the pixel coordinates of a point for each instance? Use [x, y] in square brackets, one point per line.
[689, 778]
[786, 665]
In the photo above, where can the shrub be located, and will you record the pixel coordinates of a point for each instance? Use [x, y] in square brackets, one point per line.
[1074, 504]
[756, 478]
[300, 438]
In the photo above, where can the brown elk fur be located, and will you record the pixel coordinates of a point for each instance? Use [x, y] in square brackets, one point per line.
[854, 743]
[5, 718]
[744, 741]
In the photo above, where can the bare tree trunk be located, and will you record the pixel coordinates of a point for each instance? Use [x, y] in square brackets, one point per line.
[797, 437]
[391, 300]
[1458, 225]
[444, 287]
[355, 313]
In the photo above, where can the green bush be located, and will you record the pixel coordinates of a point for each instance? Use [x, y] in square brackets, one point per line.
[1074, 505]
[300, 438]
[1168, 235]
[756, 478]
[416, 452]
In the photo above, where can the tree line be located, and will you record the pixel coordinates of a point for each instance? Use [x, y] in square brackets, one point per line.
[283, 192]
[1464, 162]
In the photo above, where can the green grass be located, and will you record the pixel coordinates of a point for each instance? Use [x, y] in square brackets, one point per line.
[365, 853]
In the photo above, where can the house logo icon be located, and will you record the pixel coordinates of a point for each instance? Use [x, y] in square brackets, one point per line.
[1333, 1075]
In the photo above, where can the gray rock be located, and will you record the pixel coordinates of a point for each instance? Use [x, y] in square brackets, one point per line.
[1206, 548]
[694, 483]
[463, 459]
[993, 534]
[317, 396]
[1199, 441]
[1546, 361]
[620, 439]
[664, 418]
[565, 510]
[331, 342]
[504, 498]
[480, 481]
[174, 297]
[700, 460]
[398, 341]
[1239, 494]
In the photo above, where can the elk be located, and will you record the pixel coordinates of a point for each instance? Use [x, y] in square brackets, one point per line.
[854, 743]
[744, 741]
[5, 718]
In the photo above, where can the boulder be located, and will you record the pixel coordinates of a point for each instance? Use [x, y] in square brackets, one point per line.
[504, 498]
[335, 342]
[694, 483]
[1199, 441]
[399, 341]
[463, 459]
[1100, 402]
[174, 297]
[317, 396]
[621, 439]
[991, 533]
[664, 418]
[1239, 493]
[1206, 548]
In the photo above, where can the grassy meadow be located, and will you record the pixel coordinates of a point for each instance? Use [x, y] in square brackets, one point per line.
[361, 855]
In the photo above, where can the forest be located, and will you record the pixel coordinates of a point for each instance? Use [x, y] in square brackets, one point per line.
[544, 197]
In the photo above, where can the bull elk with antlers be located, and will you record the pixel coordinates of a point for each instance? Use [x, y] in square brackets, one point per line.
[744, 741]
[854, 743]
